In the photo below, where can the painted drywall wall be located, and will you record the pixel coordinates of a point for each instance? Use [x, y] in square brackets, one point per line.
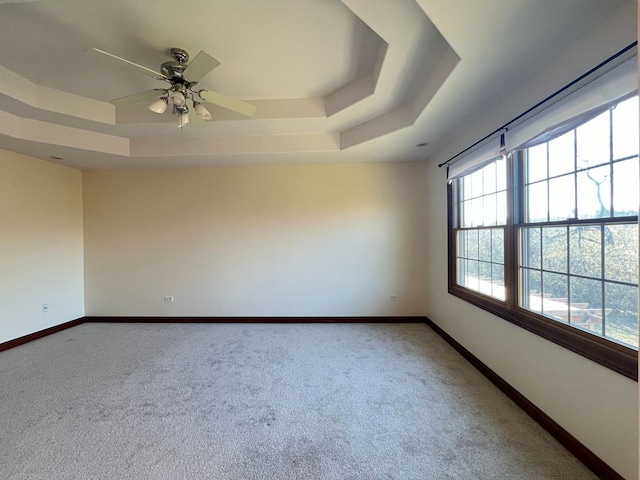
[312, 240]
[41, 245]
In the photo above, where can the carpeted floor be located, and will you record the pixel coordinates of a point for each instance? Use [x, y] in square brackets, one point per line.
[261, 401]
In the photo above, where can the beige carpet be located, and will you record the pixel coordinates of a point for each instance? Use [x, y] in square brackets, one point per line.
[259, 401]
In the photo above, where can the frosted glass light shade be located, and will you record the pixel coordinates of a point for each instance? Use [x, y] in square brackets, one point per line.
[184, 119]
[201, 111]
[159, 106]
[178, 98]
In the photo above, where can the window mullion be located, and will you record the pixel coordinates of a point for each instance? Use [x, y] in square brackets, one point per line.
[611, 205]
[569, 300]
[602, 284]
[547, 183]
[514, 192]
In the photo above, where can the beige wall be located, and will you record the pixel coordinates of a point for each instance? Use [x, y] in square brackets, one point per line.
[41, 245]
[314, 240]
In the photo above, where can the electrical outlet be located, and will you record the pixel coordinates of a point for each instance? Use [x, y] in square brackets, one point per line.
[45, 307]
[393, 297]
[168, 298]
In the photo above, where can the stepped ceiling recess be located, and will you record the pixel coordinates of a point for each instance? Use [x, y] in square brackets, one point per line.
[331, 80]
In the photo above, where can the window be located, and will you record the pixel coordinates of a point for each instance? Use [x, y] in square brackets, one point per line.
[579, 239]
[548, 237]
[480, 240]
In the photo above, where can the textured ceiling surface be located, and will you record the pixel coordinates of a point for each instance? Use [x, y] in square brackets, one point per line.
[332, 80]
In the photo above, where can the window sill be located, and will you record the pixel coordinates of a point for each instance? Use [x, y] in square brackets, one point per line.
[617, 357]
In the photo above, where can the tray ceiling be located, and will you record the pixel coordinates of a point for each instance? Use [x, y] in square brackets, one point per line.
[332, 80]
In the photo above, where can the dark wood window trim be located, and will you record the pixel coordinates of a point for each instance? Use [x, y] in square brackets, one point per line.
[617, 357]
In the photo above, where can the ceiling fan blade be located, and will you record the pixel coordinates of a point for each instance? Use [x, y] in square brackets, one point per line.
[137, 97]
[126, 63]
[200, 66]
[229, 103]
[195, 120]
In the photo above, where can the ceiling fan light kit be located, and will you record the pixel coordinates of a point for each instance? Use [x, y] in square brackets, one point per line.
[178, 98]
[181, 92]
[160, 105]
[184, 119]
[202, 111]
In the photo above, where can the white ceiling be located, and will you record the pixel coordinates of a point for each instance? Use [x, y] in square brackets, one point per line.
[332, 80]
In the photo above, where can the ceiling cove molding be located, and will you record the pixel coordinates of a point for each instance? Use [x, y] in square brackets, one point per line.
[419, 61]
[61, 135]
[64, 136]
[235, 144]
[361, 87]
[398, 77]
[49, 99]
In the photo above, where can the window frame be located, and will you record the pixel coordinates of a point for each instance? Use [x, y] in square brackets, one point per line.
[615, 356]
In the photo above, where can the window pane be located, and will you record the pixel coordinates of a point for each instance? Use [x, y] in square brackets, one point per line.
[586, 304]
[462, 271]
[498, 281]
[625, 187]
[537, 163]
[472, 244]
[555, 296]
[594, 192]
[593, 141]
[471, 280]
[562, 198]
[485, 276]
[477, 250]
[530, 238]
[476, 184]
[501, 200]
[478, 203]
[562, 154]
[621, 253]
[489, 178]
[484, 280]
[462, 243]
[484, 245]
[531, 289]
[554, 249]
[501, 173]
[489, 217]
[585, 250]
[465, 213]
[475, 212]
[625, 129]
[466, 187]
[536, 210]
[621, 310]
[497, 245]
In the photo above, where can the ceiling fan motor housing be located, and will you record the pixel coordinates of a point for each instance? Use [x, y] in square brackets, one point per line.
[174, 69]
[180, 55]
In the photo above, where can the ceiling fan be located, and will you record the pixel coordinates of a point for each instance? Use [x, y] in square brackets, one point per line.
[182, 78]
